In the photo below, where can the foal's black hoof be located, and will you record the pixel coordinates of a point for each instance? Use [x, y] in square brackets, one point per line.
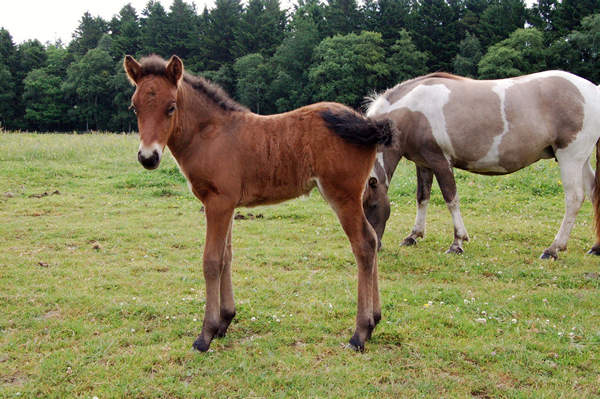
[408, 241]
[356, 345]
[200, 345]
[221, 334]
[222, 331]
[376, 318]
[548, 255]
[226, 318]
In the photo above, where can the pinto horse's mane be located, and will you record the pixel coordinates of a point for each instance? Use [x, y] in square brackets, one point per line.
[155, 65]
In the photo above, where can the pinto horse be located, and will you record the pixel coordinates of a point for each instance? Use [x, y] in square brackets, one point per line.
[232, 157]
[490, 127]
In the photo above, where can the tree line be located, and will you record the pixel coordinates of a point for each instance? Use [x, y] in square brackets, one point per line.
[273, 60]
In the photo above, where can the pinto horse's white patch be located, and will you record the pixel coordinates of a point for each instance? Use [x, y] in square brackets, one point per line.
[378, 106]
[421, 216]
[491, 161]
[430, 101]
[379, 160]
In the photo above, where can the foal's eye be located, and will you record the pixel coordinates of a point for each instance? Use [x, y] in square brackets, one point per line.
[171, 110]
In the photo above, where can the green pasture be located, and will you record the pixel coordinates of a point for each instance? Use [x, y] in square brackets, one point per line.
[102, 292]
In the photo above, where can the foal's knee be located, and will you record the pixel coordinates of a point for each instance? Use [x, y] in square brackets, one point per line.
[211, 269]
[370, 238]
[368, 246]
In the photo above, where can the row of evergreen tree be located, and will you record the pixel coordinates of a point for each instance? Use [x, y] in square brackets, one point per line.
[273, 60]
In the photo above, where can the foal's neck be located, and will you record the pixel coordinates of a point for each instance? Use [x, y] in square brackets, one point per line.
[196, 114]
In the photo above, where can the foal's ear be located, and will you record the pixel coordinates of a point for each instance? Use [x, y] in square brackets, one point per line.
[133, 69]
[175, 70]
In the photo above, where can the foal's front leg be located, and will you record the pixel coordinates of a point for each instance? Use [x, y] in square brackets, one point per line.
[218, 223]
[424, 180]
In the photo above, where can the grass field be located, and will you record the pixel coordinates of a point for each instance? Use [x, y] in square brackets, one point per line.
[102, 293]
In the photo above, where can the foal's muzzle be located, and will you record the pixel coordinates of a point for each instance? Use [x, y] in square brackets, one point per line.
[149, 161]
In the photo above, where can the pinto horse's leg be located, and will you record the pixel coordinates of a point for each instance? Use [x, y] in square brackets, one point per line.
[218, 223]
[424, 180]
[445, 178]
[572, 177]
[227, 303]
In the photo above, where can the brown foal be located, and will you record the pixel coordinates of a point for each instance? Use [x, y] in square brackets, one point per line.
[232, 157]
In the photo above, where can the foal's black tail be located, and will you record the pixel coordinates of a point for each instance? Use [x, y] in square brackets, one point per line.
[358, 129]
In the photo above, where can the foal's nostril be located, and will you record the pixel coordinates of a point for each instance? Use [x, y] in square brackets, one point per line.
[150, 162]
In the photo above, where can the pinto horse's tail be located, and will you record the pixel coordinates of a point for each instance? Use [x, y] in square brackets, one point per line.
[596, 201]
[358, 129]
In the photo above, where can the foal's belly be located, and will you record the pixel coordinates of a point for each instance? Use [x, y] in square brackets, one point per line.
[275, 194]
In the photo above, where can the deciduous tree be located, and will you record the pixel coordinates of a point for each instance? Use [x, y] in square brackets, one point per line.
[345, 68]
[522, 53]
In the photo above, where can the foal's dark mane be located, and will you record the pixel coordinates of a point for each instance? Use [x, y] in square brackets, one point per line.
[155, 65]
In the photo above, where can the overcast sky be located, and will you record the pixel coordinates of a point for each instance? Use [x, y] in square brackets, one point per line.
[49, 20]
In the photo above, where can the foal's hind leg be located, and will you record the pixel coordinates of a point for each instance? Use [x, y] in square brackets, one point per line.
[364, 246]
[424, 180]
[348, 207]
[589, 184]
[227, 303]
[218, 222]
[571, 173]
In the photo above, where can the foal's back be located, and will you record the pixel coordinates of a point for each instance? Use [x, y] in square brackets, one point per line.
[286, 155]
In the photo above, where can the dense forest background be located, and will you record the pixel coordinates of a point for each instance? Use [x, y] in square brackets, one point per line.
[273, 60]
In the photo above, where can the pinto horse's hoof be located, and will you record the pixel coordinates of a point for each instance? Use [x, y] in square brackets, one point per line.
[549, 255]
[408, 241]
[455, 249]
[201, 345]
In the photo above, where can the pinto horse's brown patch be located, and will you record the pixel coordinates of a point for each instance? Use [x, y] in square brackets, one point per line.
[484, 125]
[553, 105]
